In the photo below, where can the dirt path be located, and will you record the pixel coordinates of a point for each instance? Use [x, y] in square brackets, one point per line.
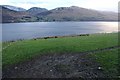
[66, 65]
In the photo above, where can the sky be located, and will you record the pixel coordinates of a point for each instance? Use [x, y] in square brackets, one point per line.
[103, 5]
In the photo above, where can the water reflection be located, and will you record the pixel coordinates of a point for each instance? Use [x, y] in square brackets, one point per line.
[109, 27]
[14, 31]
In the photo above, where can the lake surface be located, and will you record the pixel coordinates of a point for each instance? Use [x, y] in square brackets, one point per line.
[15, 31]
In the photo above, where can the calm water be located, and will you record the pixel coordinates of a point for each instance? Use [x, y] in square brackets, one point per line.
[15, 31]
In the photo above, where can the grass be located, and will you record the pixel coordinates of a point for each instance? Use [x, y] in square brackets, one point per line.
[0, 55]
[23, 50]
[109, 61]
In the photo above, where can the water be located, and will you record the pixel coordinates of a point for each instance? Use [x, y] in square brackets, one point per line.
[15, 31]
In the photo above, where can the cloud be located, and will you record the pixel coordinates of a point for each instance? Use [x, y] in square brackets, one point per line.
[111, 5]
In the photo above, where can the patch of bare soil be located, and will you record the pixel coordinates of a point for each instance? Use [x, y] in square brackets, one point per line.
[67, 65]
[56, 66]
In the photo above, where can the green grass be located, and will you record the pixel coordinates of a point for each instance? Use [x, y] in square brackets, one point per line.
[109, 61]
[27, 49]
[0, 46]
[0, 55]
[5, 44]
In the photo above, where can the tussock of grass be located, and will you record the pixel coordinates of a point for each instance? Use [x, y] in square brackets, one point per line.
[27, 49]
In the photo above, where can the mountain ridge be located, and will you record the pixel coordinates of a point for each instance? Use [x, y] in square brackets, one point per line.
[72, 13]
[36, 10]
[14, 8]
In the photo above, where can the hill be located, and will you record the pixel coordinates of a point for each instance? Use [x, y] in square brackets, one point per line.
[75, 13]
[36, 10]
[14, 8]
[11, 16]
[72, 13]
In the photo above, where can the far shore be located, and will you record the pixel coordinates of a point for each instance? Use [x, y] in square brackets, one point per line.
[55, 21]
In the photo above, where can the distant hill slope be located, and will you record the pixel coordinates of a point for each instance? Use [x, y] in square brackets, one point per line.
[72, 13]
[11, 15]
[75, 13]
[36, 10]
[14, 8]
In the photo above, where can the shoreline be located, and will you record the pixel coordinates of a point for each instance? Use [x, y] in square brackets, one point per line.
[48, 37]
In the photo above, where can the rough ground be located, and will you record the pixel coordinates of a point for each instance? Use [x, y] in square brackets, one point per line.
[67, 65]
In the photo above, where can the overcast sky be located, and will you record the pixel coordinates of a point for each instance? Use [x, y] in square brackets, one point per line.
[104, 5]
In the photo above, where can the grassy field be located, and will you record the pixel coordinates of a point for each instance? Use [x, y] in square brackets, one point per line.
[109, 61]
[20, 51]
[0, 55]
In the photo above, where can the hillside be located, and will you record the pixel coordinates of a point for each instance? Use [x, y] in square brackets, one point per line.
[11, 16]
[75, 13]
[36, 10]
[14, 8]
[72, 13]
